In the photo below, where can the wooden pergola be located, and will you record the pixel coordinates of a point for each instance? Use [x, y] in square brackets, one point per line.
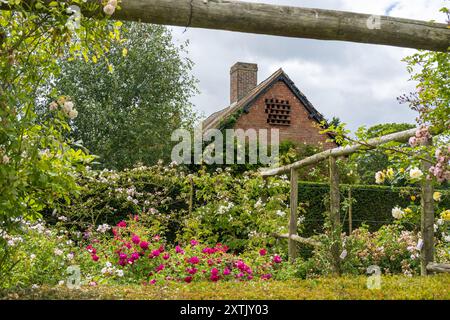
[427, 202]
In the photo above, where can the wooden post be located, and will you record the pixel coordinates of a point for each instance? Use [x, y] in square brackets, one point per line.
[191, 194]
[293, 216]
[427, 218]
[350, 211]
[334, 215]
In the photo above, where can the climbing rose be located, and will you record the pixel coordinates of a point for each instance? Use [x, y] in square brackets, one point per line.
[226, 271]
[122, 224]
[192, 270]
[95, 257]
[156, 253]
[135, 239]
[415, 173]
[109, 9]
[193, 260]
[166, 256]
[144, 245]
[277, 259]
[262, 252]
[380, 177]
[160, 267]
[188, 279]
[397, 213]
[179, 250]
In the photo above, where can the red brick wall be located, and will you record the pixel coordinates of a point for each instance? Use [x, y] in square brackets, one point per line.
[301, 130]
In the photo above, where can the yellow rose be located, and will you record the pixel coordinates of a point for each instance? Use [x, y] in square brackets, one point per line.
[445, 215]
[408, 210]
[413, 198]
[390, 173]
[437, 196]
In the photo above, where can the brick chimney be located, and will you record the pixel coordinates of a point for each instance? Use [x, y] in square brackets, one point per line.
[243, 78]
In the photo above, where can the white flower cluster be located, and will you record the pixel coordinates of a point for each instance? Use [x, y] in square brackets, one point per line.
[12, 241]
[66, 106]
[110, 270]
[103, 228]
[110, 7]
[397, 213]
[225, 208]
[280, 213]
[3, 157]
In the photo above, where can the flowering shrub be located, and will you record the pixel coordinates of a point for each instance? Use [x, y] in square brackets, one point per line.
[392, 248]
[36, 255]
[134, 255]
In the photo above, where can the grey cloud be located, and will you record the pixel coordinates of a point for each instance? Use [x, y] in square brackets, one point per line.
[358, 83]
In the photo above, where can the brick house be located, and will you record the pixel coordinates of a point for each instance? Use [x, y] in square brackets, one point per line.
[274, 103]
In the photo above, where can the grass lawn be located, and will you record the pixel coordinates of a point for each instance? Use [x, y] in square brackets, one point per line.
[392, 287]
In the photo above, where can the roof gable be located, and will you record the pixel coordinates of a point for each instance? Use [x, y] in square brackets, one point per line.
[216, 119]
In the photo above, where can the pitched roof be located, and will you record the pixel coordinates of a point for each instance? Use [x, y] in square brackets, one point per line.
[215, 120]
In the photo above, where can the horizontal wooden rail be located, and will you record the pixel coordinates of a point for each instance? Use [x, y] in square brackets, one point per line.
[284, 21]
[341, 151]
[298, 239]
[438, 267]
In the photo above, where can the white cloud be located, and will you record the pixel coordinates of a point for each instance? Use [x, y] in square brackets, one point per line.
[357, 82]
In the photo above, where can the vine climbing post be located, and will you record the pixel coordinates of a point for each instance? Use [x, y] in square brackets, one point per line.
[334, 215]
[427, 217]
[293, 216]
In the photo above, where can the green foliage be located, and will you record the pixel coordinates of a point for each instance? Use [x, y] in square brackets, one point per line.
[371, 205]
[38, 254]
[37, 163]
[127, 116]
[237, 209]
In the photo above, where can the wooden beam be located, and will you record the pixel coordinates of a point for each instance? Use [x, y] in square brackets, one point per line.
[285, 21]
[341, 151]
[334, 217]
[299, 239]
[438, 267]
[427, 218]
[293, 252]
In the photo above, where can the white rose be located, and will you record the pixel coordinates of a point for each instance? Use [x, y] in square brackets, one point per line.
[5, 159]
[397, 213]
[109, 9]
[379, 177]
[73, 114]
[68, 106]
[53, 106]
[415, 173]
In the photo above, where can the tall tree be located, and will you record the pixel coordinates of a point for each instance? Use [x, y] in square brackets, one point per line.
[130, 100]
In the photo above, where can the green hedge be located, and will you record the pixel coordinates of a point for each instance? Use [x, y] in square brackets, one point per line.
[372, 205]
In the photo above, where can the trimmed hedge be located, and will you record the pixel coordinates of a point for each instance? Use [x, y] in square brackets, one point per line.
[372, 205]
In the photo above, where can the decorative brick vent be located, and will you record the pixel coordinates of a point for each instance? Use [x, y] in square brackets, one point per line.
[278, 112]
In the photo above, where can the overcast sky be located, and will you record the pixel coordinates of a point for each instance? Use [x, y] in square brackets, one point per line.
[358, 83]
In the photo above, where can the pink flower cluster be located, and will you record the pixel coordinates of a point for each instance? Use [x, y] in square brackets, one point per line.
[93, 252]
[422, 135]
[152, 261]
[441, 169]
